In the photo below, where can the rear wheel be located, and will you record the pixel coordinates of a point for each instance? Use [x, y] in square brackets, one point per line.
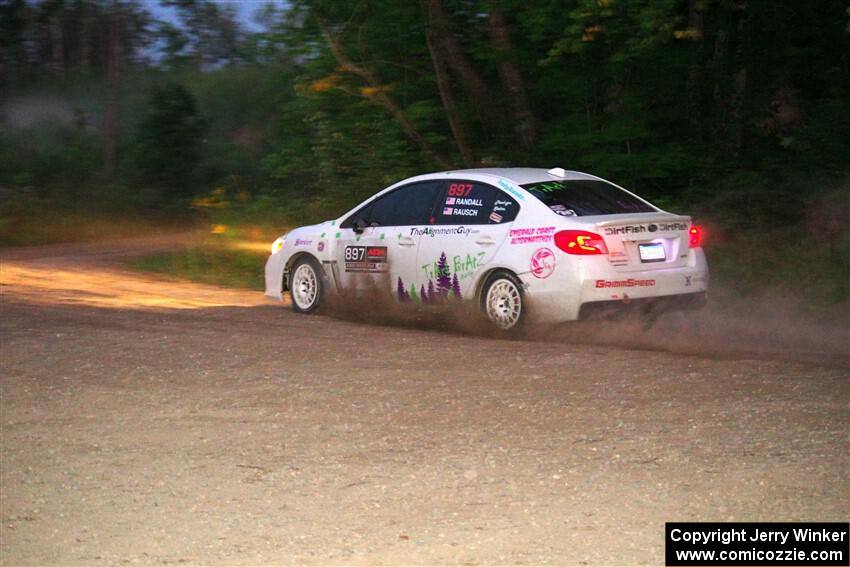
[502, 301]
[305, 285]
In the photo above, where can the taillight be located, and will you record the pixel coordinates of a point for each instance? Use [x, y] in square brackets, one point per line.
[580, 242]
[694, 237]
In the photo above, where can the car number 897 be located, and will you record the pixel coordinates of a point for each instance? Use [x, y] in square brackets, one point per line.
[355, 253]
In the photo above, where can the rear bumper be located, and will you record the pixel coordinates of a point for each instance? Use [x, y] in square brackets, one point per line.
[644, 307]
[580, 287]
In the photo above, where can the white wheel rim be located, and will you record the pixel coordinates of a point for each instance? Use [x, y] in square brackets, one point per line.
[305, 286]
[504, 304]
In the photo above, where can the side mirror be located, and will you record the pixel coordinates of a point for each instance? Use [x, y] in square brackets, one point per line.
[359, 225]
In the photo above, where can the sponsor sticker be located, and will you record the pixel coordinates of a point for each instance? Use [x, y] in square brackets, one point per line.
[562, 210]
[513, 192]
[495, 217]
[371, 259]
[542, 263]
[641, 228]
[320, 246]
[432, 232]
[631, 282]
[531, 235]
[299, 242]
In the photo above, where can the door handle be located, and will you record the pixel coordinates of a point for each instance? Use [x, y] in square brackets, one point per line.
[485, 241]
[406, 241]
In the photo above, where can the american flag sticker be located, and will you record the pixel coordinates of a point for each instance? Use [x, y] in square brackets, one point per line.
[447, 211]
[495, 217]
[450, 201]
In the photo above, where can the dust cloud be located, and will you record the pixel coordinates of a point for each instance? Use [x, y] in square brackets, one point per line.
[767, 326]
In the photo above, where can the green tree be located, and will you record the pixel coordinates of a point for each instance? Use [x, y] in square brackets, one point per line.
[170, 140]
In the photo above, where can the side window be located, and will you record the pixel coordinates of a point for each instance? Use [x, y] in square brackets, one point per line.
[472, 202]
[408, 205]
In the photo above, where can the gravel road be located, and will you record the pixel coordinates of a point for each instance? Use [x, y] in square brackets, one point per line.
[152, 421]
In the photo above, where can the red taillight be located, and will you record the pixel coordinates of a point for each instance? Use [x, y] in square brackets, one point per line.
[580, 242]
[694, 237]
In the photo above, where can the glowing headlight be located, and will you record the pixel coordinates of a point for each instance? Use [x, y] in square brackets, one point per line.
[277, 245]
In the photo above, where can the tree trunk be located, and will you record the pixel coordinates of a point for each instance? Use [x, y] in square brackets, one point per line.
[524, 123]
[85, 36]
[446, 97]
[695, 74]
[383, 98]
[456, 58]
[739, 91]
[113, 85]
[57, 45]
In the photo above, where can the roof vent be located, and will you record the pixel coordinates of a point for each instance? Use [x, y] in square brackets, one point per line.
[557, 172]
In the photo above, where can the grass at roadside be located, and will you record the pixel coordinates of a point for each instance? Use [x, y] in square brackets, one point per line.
[53, 227]
[753, 267]
[213, 264]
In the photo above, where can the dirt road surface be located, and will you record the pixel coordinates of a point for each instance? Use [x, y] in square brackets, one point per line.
[149, 421]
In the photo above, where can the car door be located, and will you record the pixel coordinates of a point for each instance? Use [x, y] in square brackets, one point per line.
[382, 254]
[473, 220]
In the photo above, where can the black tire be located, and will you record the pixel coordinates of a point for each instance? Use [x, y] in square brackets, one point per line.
[306, 285]
[502, 302]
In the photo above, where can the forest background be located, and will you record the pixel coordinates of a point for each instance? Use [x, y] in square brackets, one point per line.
[120, 116]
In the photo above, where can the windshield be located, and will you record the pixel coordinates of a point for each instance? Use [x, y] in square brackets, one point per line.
[585, 197]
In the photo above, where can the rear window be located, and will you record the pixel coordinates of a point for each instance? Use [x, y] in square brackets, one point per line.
[585, 197]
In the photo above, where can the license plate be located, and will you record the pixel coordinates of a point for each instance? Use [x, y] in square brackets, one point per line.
[651, 252]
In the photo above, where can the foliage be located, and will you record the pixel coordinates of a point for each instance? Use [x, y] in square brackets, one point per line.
[213, 265]
[735, 111]
[170, 138]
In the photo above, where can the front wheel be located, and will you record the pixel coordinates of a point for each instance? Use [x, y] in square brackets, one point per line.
[502, 301]
[305, 285]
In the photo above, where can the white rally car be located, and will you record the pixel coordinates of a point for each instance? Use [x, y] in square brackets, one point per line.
[562, 245]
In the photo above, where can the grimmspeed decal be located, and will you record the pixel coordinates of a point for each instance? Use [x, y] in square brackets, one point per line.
[631, 282]
[371, 259]
[643, 228]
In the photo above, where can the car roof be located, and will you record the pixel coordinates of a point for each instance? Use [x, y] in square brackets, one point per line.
[518, 175]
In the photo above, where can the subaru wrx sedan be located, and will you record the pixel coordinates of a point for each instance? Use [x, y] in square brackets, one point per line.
[560, 244]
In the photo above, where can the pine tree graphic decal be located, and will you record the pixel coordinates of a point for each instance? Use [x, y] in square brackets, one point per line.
[401, 292]
[456, 287]
[444, 279]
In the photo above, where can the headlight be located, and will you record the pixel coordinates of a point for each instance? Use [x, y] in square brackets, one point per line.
[277, 245]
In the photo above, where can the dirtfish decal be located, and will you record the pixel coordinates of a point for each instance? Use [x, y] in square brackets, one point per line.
[641, 228]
